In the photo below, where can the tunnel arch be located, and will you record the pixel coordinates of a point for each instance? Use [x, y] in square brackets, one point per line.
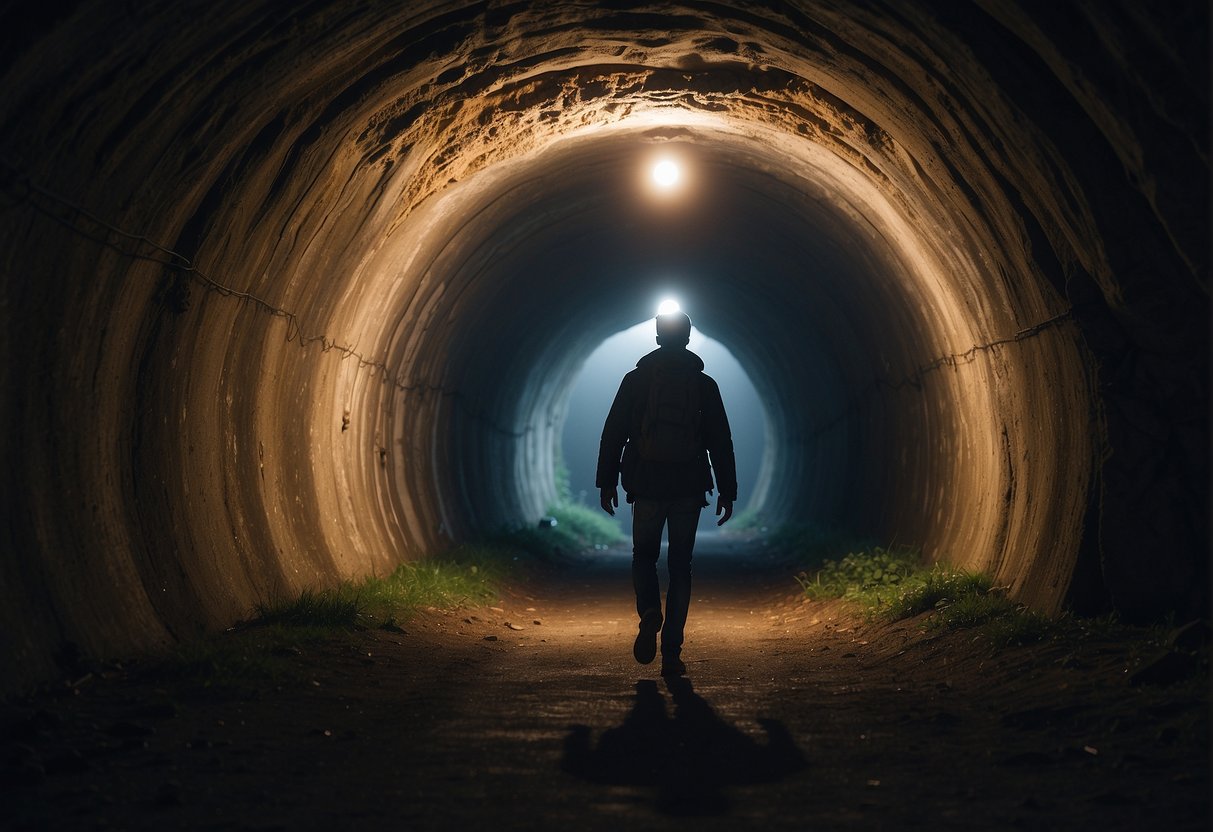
[322, 369]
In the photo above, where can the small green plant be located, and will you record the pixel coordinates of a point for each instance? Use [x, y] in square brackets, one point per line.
[588, 526]
[866, 576]
[326, 608]
[894, 584]
[940, 586]
[465, 577]
[1017, 628]
[577, 528]
[262, 647]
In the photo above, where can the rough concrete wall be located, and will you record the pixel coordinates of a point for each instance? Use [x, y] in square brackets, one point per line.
[291, 299]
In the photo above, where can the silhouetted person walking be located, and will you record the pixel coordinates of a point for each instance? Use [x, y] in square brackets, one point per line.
[666, 433]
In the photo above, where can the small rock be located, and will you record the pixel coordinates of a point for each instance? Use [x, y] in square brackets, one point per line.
[391, 626]
[536, 622]
[513, 626]
[490, 638]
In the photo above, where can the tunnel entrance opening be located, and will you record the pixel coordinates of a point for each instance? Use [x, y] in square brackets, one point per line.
[594, 388]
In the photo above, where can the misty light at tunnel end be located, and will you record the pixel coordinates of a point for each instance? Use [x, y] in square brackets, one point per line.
[668, 306]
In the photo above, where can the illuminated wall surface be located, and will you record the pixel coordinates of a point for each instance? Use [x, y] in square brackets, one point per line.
[290, 298]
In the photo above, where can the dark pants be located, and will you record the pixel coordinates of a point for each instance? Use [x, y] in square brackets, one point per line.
[648, 519]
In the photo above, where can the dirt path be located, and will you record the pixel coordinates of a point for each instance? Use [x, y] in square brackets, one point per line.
[793, 715]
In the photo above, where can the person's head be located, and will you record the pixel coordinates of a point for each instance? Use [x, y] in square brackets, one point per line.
[673, 329]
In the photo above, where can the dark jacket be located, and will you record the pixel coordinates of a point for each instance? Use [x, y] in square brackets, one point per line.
[666, 480]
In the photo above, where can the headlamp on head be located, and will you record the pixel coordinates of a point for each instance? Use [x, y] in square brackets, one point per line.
[673, 329]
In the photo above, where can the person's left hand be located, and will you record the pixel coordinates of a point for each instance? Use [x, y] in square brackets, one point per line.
[610, 500]
[726, 506]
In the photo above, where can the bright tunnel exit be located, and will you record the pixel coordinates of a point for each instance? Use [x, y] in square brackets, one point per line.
[595, 388]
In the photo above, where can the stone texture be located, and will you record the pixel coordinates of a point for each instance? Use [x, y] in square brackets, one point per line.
[387, 236]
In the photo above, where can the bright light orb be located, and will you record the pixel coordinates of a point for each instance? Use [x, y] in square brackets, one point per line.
[666, 174]
[668, 307]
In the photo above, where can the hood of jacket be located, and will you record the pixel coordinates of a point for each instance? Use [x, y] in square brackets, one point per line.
[671, 359]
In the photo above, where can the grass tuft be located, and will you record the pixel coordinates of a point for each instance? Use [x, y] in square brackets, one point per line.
[577, 528]
[939, 587]
[1019, 628]
[867, 576]
[280, 627]
[589, 527]
[894, 584]
[466, 577]
[326, 608]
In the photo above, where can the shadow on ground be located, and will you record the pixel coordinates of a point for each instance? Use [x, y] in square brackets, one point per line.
[689, 758]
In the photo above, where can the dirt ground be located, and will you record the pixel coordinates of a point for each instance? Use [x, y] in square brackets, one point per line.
[533, 714]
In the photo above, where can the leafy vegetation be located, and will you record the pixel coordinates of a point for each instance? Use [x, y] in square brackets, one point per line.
[463, 577]
[466, 576]
[310, 609]
[895, 584]
[261, 648]
[869, 576]
[577, 528]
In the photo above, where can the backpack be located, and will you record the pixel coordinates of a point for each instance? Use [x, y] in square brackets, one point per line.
[670, 429]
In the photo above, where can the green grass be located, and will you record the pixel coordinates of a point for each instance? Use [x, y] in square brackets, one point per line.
[577, 528]
[588, 526]
[279, 629]
[464, 577]
[895, 584]
[867, 576]
[334, 608]
[940, 587]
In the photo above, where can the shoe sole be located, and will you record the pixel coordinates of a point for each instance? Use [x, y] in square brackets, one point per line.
[645, 647]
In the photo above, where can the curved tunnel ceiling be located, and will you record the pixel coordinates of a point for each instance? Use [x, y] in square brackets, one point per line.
[301, 297]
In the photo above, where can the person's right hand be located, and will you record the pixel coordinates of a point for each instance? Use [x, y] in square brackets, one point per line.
[609, 500]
